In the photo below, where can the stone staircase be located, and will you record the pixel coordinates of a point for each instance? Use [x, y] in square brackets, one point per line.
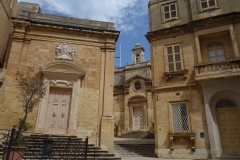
[63, 147]
[135, 144]
[134, 150]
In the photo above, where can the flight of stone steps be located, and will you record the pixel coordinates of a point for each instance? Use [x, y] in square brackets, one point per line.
[64, 148]
[134, 150]
[135, 144]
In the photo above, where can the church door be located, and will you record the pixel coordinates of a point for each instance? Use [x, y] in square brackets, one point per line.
[229, 126]
[138, 122]
[58, 110]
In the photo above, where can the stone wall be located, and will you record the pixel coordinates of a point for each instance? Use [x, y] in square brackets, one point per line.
[91, 111]
[5, 28]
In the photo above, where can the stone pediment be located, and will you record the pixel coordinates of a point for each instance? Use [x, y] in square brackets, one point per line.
[137, 77]
[63, 68]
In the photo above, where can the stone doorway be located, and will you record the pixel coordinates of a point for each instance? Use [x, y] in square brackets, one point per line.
[59, 103]
[229, 126]
[138, 122]
[138, 113]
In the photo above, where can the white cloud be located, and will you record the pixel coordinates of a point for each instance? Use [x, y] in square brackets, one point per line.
[126, 14]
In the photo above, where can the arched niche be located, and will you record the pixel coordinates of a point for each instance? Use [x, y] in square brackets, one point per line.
[61, 75]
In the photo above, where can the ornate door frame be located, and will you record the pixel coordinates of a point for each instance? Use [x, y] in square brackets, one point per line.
[61, 75]
[137, 101]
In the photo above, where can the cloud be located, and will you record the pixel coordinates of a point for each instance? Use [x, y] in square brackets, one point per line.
[126, 14]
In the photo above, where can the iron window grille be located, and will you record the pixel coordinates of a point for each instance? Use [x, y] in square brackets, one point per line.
[208, 4]
[170, 11]
[180, 118]
[174, 58]
[225, 103]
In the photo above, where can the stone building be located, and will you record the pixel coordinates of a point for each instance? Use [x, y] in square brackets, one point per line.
[75, 58]
[8, 8]
[132, 94]
[195, 77]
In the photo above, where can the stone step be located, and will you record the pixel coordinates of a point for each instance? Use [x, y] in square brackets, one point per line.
[134, 150]
[64, 147]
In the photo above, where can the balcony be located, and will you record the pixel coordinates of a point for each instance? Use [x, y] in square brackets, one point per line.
[217, 70]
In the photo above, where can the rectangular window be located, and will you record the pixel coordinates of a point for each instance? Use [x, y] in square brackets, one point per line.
[170, 11]
[180, 117]
[174, 58]
[208, 4]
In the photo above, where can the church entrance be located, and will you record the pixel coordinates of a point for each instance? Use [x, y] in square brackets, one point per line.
[138, 113]
[138, 122]
[229, 126]
[58, 111]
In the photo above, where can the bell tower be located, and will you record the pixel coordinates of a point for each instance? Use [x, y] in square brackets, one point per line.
[138, 54]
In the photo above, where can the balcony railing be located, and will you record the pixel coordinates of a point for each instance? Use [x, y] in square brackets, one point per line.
[217, 70]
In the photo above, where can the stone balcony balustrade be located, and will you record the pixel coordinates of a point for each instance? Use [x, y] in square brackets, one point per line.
[217, 70]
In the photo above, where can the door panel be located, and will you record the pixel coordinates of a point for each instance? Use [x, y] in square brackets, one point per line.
[58, 110]
[138, 118]
[229, 123]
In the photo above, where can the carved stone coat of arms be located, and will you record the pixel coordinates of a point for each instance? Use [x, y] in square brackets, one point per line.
[64, 52]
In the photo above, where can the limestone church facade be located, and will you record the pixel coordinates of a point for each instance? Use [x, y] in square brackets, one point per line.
[133, 110]
[75, 58]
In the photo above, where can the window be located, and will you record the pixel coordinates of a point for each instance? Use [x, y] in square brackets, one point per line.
[208, 4]
[180, 117]
[170, 11]
[174, 58]
[137, 58]
[216, 52]
[137, 85]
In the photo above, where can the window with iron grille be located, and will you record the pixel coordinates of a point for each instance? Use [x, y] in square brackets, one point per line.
[180, 117]
[208, 4]
[174, 58]
[170, 11]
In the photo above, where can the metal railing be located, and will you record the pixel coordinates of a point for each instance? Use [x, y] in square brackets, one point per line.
[43, 147]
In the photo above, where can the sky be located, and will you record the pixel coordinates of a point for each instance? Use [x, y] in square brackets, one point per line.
[130, 17]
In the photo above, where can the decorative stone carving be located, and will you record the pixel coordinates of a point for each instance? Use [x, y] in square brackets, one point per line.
[175, 135]
[64, 52]
[54, 82]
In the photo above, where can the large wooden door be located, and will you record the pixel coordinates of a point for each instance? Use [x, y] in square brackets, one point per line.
[58, 110]
[229, 127]
[138, 118]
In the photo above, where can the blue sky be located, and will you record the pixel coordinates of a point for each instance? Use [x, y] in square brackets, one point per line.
[130, 17]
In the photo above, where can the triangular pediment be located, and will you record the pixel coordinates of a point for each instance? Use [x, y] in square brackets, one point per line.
[66, 68]
[137, 77]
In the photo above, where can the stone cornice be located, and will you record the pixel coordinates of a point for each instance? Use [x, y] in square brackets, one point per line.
[89, 32]
[192, 26]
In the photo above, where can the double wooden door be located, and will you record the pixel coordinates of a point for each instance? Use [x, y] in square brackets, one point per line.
[138, 121]
[229, 127]
[58, 111]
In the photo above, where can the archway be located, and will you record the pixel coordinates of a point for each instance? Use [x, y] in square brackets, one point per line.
[228, 122]
[222, 113]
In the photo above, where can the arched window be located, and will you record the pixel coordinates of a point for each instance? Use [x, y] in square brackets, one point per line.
[225, 103]
[216, 52]
[137, 58]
